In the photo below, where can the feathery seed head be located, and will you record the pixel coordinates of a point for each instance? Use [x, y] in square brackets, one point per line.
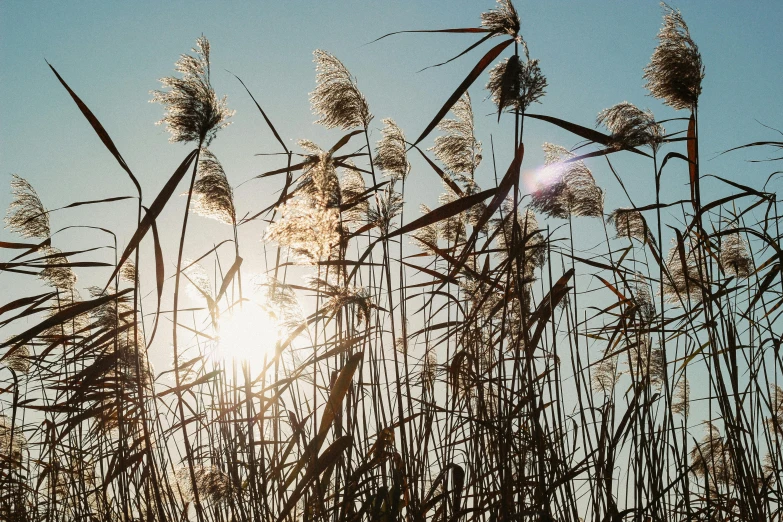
[530, 245]
[309, 224]
[26, 214]
[452, 229]
[643, 301]
[470, 188]
[631, 126]
[339, 296]
[735, 256]
[630, 223]
[458, 149]
[390, 155]
[200, 286]
[776, 408]
[128, 271]
[645, 363]
[606, 373]
[55, 275]
[18, 359]
[571, 191]
[310, 231]
[428, 368]
[502, 20]
[319, 183]
[193, 110]
[12, 445]
[212, 484]
[213, 197]
[388, 205]
[681, 404]
[514, 85]
[685, 281]
[427, 236]
[675, 71]
[711, 458]
[336, 97]
[352, 187]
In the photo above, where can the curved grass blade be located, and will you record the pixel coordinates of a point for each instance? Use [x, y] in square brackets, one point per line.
[584, 132]
[266, 118]
[443, 212]
[99, 130]
[160, 277]
[692, 160]
[63, 315]
[461, 30]
[506, 184]
[445, 177]
[466, 51]
[467, 82]
[154, 210]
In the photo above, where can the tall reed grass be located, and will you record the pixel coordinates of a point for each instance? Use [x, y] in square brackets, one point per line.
[464, 363]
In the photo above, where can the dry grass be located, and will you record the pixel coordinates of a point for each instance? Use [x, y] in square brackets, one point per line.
[467, 363]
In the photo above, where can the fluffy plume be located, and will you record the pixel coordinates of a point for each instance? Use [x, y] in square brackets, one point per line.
[18, 359]
[12, 444]
[685, 281]
[514, 85]
[310, 232]
[502, 20]
[681, 403]
[55, 275]
[336, 97]
[279, 301]
[712, 458]
[458, 149]
[130, 344]
[571, 191]
[427, 373]
[630, 223]
[200, 284]
[452, 229]
[776, 408]
[427, 236]
[310, 223]
[529, 242]
[339, 296]
[735, 256]
[645, 363]
[630, 126]
[26, 214]
[352, 187]
[606, 374]
[390, 155]
[128, 271]
[319, 184]
[470, 187]
[675, 71]
[213, 197]
[211, 483]
[388, 205]
[642, 299]
[193, 110]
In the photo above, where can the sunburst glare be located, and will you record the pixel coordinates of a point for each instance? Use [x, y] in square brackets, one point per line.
[246, 334]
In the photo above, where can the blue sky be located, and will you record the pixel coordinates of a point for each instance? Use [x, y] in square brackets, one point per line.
[112, 54]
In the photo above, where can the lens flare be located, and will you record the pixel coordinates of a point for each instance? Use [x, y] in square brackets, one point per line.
[542, 177]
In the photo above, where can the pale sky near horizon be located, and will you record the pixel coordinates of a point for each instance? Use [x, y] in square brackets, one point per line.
[112, 54]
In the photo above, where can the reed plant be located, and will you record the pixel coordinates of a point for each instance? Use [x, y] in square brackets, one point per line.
[468, 362]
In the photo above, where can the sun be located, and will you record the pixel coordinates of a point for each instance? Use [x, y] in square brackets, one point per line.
[246, 334]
